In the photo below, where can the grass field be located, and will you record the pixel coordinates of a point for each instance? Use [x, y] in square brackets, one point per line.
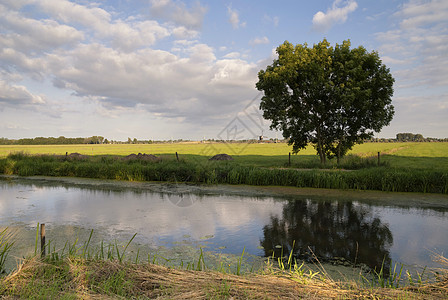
[404, 167]
[432, 156]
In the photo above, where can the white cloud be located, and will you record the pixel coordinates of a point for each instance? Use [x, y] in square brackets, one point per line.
[338, 13]
[165, 83]
[274, 20]
[30, 35]
[17, 94]
[126, 35]
[69, 12]
[182, 32]
[417, 49]
[234, 18]
[419, 13]
[88, 55]
[178, 13]
[232, 55]
[259, 41]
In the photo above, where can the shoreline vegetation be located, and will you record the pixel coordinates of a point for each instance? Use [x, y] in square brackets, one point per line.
[84, 271]
[356, 171]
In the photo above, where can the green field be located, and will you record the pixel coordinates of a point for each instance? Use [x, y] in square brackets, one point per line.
[404, 167]
[432, 156]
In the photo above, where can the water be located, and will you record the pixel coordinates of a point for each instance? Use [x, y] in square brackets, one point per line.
[367, 228]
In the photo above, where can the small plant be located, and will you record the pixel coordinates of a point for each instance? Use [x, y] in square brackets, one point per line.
[5, 247]
[239, 263]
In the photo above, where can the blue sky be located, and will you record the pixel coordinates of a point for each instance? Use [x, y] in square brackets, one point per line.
[162, 69]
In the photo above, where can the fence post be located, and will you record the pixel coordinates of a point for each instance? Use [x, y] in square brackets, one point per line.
[289, 162]
[378, 159]
[42, 240]
[177, 156]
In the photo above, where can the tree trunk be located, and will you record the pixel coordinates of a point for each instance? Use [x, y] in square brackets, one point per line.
[339, 152]
[320, 149]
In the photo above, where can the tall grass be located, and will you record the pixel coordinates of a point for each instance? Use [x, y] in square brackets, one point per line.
[381, 178]
[5, 247]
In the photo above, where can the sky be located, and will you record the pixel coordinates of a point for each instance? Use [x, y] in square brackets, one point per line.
[172, 69]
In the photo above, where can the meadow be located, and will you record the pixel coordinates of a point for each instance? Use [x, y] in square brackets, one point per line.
[404, 167]
[432, 156]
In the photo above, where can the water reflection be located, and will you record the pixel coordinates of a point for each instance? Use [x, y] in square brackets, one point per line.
[228, 219]
[329, 229]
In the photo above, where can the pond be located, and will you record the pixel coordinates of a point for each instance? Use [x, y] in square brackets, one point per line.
[370, 228]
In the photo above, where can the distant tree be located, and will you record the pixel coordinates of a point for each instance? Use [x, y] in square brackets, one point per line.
[410, 137]
[331, 97]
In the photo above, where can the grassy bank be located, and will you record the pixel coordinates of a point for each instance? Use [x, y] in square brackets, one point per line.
[77, 278]
[82, 271]
[363, 173]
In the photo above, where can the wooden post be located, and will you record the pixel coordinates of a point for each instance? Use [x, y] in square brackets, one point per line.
[289, 162]
[42, 240]
[378, 159]
[177, 156]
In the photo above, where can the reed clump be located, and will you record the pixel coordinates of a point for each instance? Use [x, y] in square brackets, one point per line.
[370, 177]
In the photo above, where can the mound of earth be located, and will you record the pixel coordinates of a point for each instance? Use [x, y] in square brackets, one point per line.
[76, 155]
[221, 157]
[140, 156]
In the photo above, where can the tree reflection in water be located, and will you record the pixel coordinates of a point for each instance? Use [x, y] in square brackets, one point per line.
[330, 229]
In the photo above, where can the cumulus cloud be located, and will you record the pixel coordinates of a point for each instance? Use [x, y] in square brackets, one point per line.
[178, 13]
[30, 35]
[338, 13]
[234, 18]
[417, 49]
[273, 20]
[89, 53]
[124, 34]
[420, 13]
[17, 94]
[69, 12]
[259, 41]
[416, 53]
[165, 83]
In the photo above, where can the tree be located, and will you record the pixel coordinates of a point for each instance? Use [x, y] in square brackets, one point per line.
[410, 137]
[330, 229]
[331, 97]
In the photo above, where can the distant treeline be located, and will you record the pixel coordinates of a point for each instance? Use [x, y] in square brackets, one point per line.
[408, 137]
[401, 137]
[54, 141]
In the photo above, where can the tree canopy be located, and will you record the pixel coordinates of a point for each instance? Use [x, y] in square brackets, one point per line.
[332, 97]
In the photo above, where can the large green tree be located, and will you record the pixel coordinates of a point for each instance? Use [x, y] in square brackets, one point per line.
[332, 97]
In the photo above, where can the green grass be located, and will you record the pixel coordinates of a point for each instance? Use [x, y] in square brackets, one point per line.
[404, 167]
[365, 176]
[400, 155]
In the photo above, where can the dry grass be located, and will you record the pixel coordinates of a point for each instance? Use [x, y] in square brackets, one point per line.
[93, 279]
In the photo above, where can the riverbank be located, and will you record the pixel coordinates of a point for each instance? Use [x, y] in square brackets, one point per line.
[371, 177]
[79, 278]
